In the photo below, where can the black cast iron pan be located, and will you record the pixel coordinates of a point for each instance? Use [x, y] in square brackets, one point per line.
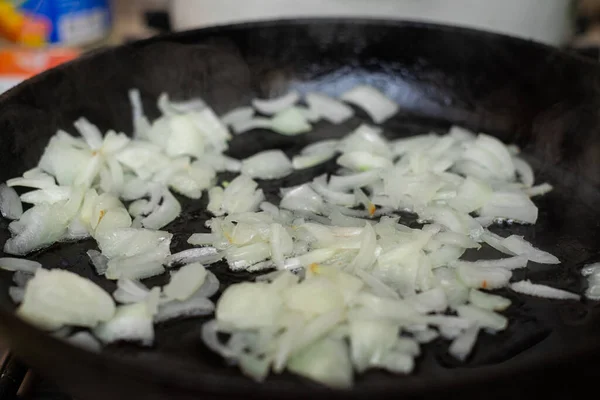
[545, 100]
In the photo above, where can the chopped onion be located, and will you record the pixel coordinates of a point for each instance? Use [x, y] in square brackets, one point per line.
[462, 346]
[16, 294]
[375, 103]
[275, 105]
[131, 322]
[204, 255]
[99, 261]
[325, 361]
[329, 108]
[290, 122]
[10, 204]
[534, 289]
[511, 205]
[485, 278]
[242, 126]
[19, 264]
[54, 298]
[302, 198]
[518, 245]
[269, 164]
[483, 318]
[506, 263]
[185, 282]
[130, 291]
[237, 115]
[538, 190]
[524, 171]
[195, 306]
[488, 301]
[86, 341]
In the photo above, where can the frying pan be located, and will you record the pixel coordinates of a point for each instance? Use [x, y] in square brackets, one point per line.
[545, 100]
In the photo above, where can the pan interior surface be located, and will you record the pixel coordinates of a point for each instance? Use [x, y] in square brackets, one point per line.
[545, 101]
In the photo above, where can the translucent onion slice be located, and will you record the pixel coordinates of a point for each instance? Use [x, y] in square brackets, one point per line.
[534, 289]
[49, 301]
[185, 282]
[328, 108]
[195, 306]
[131, 322]
[269, 164]
[275, 105]
[19, 264]
[376, 104]
[10, 204]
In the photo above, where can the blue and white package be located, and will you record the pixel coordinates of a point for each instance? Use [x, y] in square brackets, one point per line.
[73, 22]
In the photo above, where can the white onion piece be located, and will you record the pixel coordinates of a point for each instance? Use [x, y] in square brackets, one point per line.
[127, 242]
[488, 301]
[376, 104]
[534, 289]
[369, 340]
[363, 161]
[185, 282]
[248, 306]
[90, 133]
[20, 278]
[16, 294]
[202, 239]
[204, 255]
[241, 195]
[511, 205]
[524, 171]
[130, 291]
[135, 267]
[343, 183]
[290, 122]
[319, 184]
[433, 300]
[193, 307]
[325, 361]
[275, 105]
[518, 245]
[242, 126]
[483, 318]
[43, 225]
[49, 195]
[538, 190]
[462, 346]
[302, 198]
[506, 263]
[310, 160]
[141, 125]
[86, 341]
[49, 301]
[426, 336]
[164, 214]
[99, 261]
[209, 287]
[486, 278]
[366, 138]
[328, 108]
[269, 164]
[377, 286]
[237, 115]
[366, 254]
[19, 264]
[10, 203]
[131, 322]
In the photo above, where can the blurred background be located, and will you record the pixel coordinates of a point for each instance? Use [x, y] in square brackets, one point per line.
[38, 34]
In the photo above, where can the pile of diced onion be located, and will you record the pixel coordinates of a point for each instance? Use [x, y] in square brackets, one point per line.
[349, 281]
